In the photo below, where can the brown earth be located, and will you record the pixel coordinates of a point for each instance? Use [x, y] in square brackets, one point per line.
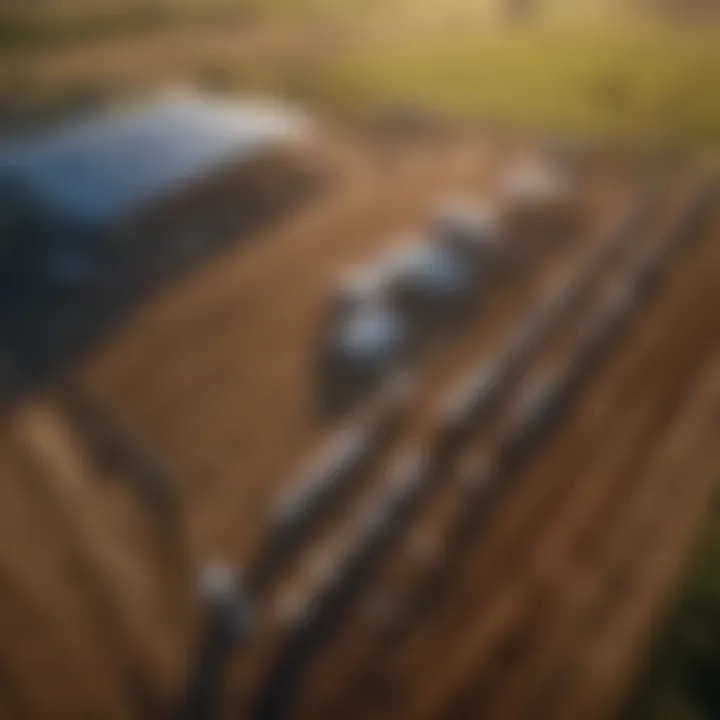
[545, 610]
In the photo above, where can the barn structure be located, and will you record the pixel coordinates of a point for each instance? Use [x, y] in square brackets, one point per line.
[148, 185]
[100, 213]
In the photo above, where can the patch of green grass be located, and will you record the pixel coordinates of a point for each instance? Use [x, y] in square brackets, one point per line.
[645, 87]
[628, 83]
[681, 680]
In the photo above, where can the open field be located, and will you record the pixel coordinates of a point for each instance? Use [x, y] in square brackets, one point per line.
[214, 379]
[519, 580]
[610, 74]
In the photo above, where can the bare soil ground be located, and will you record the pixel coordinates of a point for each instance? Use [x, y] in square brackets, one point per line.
[545, 609]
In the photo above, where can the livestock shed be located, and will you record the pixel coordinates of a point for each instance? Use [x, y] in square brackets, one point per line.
[145, 187]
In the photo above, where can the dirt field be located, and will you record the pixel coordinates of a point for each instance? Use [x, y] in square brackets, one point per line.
[530, 608]
[236, 345]
[543, 605]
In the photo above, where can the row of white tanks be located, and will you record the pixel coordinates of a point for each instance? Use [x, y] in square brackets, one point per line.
[382, 317]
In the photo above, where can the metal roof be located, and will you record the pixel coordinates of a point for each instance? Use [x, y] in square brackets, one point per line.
[433, 270]
[101, 169]
[371, 336]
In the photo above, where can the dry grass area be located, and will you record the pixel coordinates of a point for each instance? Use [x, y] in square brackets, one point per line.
[591, 68]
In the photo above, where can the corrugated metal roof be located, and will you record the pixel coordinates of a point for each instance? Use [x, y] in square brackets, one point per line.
[101, 169]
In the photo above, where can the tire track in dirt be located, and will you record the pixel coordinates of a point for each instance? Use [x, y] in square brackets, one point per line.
[414, 430]
[596, 542]
[521, 547]
[365, 635]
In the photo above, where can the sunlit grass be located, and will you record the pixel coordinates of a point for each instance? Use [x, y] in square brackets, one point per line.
[645, 86]
[610, 77]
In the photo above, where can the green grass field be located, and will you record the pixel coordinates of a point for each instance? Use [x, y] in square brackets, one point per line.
[612, 77]
[650, 87]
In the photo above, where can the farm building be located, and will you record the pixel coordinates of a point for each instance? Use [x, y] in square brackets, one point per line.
[145, 186]
[383, 315]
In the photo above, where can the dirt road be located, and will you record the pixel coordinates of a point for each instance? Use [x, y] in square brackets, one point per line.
[210, 386]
